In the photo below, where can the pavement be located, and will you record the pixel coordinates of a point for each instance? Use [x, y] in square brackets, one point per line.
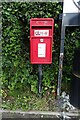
[33, 115]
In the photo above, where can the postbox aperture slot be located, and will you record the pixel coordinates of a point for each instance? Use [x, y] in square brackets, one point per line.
[45, 31]
[41, 27]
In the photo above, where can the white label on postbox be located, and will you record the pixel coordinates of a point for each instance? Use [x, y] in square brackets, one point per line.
[41, 32]
[41, 50]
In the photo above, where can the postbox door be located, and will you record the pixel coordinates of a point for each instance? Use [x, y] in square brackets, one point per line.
[41, 50]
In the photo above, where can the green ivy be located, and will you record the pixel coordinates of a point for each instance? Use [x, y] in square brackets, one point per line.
[19, 75]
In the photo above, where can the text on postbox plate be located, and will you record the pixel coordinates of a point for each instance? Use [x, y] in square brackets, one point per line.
[41, 32]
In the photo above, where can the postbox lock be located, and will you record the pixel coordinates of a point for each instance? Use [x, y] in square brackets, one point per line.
[37, 22]
[45, 22]
[41, 40]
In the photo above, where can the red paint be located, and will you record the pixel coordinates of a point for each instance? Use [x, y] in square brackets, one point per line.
[41, 32]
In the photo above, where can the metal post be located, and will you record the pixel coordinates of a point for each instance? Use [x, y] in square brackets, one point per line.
[39, 79]
[61, 59]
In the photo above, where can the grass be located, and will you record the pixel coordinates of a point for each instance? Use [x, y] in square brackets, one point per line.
[26, 100]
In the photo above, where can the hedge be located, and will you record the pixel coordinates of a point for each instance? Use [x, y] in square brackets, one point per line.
[19, 75]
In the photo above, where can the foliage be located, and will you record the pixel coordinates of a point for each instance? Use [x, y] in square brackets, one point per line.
[19, 76]
[72, 41]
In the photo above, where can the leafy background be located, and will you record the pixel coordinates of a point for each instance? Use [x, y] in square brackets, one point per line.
[19, 77]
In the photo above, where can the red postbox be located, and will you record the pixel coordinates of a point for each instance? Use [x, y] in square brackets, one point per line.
[41, 39]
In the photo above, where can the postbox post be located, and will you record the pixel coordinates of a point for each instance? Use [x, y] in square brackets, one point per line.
[39, 80]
